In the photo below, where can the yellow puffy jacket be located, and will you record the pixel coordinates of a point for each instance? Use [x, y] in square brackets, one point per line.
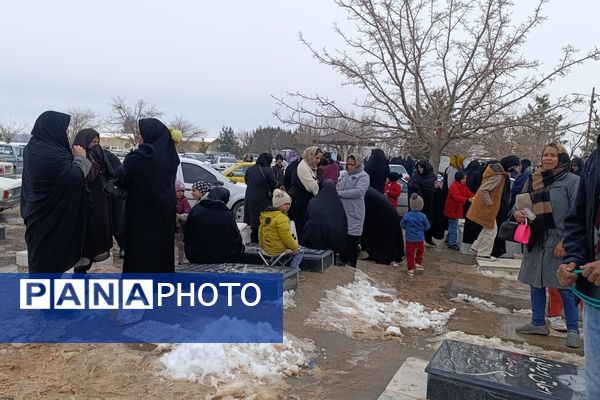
[274, 234]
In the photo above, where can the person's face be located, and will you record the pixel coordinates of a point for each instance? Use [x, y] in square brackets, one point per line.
[550, 158]
[179, 194]
[464, 180]
[421, 169]
[196, 194]
[351, 164]
[575, 167]
[317, 158]
[285, 208]
[279, 162]
[95, 142]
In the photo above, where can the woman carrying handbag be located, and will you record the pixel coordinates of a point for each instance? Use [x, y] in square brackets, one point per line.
[548, 194]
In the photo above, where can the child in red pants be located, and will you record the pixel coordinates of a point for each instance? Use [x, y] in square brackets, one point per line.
[415, 224]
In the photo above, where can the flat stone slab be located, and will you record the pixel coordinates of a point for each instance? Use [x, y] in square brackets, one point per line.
[464, 371]
[409, 382]
[506, 266]
[507, 293]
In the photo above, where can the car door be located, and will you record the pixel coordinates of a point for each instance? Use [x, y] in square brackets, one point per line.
[193, 173]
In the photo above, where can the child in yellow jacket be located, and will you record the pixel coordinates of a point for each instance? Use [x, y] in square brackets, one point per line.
[274, 233]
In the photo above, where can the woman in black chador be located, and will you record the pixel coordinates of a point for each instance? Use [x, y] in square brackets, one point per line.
[148, 176]
[260, 183]
[53, 196]
[98, 237]
[423, 184]
[378, 169]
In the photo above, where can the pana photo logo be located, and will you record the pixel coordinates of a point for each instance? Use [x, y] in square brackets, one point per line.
[133, 294]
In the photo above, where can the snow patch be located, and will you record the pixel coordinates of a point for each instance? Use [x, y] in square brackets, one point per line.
[486, 305]
[231, 368]
[288, 299]
[497, 343]
[361, 309]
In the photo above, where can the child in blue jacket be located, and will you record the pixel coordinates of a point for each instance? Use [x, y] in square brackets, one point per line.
[415, 224]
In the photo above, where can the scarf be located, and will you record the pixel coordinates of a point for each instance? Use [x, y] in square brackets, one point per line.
[359, 163]
[538, 188]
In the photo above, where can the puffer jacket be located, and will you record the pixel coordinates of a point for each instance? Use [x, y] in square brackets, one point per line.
[488, 198]
[274, 233]
[458, 194]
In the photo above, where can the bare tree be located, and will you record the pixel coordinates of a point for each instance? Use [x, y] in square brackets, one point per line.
[189, 131]
[123, 122]
[10, 129]
[434, 71]
[81, 119]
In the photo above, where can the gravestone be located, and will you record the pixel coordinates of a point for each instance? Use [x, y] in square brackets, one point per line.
[290, 275]
[464, 371]
[313, 260]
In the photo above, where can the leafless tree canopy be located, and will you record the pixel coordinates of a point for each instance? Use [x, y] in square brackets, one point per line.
[434, 71]
[81, 119]
[10, 129]
[123, 122]
[189, 130]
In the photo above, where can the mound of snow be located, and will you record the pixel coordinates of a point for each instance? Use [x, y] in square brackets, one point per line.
[486, 305]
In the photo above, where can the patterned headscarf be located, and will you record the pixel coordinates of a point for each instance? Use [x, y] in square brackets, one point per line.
[203, 186]
[309, 156]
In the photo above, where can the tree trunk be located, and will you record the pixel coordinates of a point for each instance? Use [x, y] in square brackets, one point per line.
[435, 154]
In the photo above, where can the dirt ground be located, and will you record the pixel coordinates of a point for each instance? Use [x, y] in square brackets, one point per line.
[344, 368]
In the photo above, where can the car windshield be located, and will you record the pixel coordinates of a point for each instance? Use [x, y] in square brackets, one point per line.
[197, 156]
[398, 168]
[227, 160]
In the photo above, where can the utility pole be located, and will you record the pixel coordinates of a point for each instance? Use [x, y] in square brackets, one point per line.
[589, 128]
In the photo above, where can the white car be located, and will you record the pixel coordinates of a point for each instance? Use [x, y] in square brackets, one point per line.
[191, 171]
[10, 190]
[400, 170]
[222, 163]
[197, 156]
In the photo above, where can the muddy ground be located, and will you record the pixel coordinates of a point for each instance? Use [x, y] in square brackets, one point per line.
[344, 368]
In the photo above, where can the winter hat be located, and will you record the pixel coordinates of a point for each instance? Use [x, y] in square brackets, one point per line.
[280, 198]
[179, 186]
[203, 186]
[393, 176]
[458, 176]
[416, 202]
[509, 162]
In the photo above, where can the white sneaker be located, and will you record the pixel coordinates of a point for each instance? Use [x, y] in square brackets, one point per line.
[558, 324]
[419, 267]
[486, 258]
[410, 273]
[395, 264]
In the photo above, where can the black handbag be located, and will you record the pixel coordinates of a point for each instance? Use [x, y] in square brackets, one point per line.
[507, 230]
[115, 191]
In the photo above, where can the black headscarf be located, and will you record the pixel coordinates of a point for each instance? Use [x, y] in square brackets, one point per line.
[580, 163]
[52, 197]
[264, 159]
[96, 155]
[378, 169]
[219, 194]
[422, 183]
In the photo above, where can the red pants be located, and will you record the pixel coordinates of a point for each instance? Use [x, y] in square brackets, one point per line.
[414, 254]
[555, 305]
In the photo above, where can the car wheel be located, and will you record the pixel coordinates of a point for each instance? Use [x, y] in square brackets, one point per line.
[238, 211]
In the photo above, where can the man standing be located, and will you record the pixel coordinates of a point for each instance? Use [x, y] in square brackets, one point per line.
[581, 241]
[487, 203]
[279, 170]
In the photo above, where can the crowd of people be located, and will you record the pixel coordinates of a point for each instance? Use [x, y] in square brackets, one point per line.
[77, 197]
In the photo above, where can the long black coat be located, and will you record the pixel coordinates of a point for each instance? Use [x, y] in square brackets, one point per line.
[53, 197]
[300, 198]
[261, 182]
[117, 206]
[211, 234]
[148, 175]
[326, 223]
[378, 169]
[382, 236]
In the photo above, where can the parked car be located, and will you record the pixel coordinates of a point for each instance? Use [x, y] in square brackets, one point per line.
[222, 163]
[191, 171]
[12, 153]
[400, 170]
[237, 172]
[197, 156]
[11, 193]
[7, 169]
[403, 199]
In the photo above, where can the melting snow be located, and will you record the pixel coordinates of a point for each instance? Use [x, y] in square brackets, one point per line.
[486, 305]
[359, 308]
[288, 299]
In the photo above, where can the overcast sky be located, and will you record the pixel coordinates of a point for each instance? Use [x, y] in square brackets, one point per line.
[214, 62]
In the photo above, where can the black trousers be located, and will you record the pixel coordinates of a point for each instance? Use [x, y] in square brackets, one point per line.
[254, 234]
[350, 255]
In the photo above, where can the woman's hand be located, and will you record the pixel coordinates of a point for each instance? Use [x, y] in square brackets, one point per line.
[78, 151]
[520, 217]
[559, 250]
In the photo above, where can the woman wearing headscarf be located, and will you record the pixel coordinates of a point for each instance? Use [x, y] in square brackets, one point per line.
[148, 176]
[53, 196]
[423, 184]
[98, 238]
[260, 183]
[382, 235]
[352, 187]
[549, 194]
[304, 186]
[378, 169]
[326, 225]
[211, 234]
[576, 165]
[117, 206]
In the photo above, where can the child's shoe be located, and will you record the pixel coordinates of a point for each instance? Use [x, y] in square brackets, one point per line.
[419, 267]
[410, 272]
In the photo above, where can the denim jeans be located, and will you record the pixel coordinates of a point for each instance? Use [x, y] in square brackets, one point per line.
[591, 328]
[538, 308]
[296, 259]
[452, 231]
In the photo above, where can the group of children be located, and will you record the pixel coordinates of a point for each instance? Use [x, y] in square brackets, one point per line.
[415, 223]
[275, 231]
